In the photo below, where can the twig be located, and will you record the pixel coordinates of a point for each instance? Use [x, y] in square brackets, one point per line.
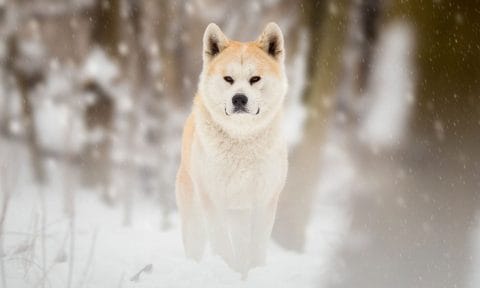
[6, 198]
[72, 251]
[42, 280]
[147, 269]
[30, 253]
[89, 260]
[70, 207]
[43, 237]
[32, 263]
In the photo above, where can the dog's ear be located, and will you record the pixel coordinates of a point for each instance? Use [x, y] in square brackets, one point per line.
[271, 41]
[214, 41]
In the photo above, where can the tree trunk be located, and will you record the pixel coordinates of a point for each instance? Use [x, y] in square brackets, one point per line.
[106, 33]
[327, 33]
[25, 83]
[106, 22]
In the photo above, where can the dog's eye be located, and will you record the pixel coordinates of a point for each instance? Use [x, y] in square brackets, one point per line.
[254, 79]
[229, 79]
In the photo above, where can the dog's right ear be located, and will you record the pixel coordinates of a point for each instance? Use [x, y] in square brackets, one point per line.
[271, 41]
[214, 41]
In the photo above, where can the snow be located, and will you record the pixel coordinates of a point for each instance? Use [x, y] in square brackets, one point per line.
[105, 251]
[295, 112]
[331, 218]
[99, 67]
[94, 247]
[54, 120]
[390, 91]
[31, 59]
[11, 105]
[58, 113]
[44, 244]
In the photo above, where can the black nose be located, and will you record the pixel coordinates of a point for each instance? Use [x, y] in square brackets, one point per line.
[239, 100]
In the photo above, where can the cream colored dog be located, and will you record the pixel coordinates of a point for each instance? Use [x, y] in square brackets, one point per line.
[234, 157]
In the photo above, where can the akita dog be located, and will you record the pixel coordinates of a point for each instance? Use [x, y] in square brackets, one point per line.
[234, 157]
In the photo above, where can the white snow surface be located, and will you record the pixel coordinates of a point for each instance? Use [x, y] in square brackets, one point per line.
[100, 67]
[108, 254]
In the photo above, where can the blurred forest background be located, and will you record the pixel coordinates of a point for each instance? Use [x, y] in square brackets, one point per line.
[93, 95]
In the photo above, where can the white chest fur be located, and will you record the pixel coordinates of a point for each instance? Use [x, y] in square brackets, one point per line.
[238, 174]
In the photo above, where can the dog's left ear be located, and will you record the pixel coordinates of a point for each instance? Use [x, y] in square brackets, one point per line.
[271, 41]
[214, 41]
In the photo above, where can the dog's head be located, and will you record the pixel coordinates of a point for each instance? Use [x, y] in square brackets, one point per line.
[243, 84]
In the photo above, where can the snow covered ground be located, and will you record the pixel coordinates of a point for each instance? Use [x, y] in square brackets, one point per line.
[377, 219]
[95, 249]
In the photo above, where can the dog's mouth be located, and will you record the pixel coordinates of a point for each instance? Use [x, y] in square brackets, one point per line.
[241, 110]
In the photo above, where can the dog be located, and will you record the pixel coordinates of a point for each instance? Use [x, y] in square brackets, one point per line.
[234, 156]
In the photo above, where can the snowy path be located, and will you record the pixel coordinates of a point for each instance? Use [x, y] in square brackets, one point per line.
[118, 253]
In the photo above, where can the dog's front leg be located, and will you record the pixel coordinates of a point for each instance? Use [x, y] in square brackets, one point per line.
[218, 232]
[262, 224]
[193, 228]
[240, 235]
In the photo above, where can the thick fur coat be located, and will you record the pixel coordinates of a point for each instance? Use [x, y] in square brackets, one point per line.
[234, 158]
